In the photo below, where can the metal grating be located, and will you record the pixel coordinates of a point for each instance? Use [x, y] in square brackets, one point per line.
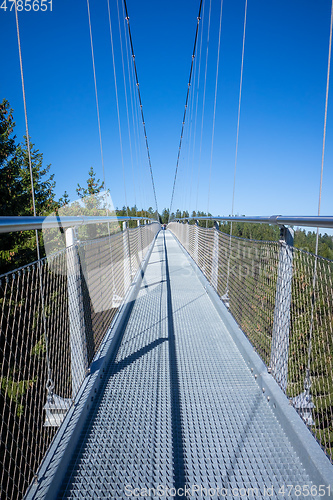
[180, 407]
[282, 298]
[54, 315]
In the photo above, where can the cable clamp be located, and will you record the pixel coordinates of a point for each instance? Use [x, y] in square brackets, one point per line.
[49, 388]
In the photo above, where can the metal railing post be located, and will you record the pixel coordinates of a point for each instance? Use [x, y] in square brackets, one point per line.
[140, 239]
[182, 233]
[187, 236]
[196, 241]
[281, 321]
[127, 263]
[78, 344]
[215, 257]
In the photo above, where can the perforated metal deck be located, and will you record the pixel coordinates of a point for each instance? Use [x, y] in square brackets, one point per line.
[180, 406]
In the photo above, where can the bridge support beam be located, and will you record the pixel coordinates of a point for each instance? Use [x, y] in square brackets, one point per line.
[281, 321]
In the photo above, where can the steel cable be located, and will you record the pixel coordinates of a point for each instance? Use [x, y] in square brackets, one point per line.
[186, 103]
[96, 93]
[214, 112]
[125, 90]
[203, 104]
[99, 120]
[308, 381]
[49, 384]
[197, 100]
[237, 138]
[141, 107]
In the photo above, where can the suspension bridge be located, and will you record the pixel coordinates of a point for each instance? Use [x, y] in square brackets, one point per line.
[141, 359]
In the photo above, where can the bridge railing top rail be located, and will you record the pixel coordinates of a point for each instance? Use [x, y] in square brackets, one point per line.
[280, 220]
[22, 223]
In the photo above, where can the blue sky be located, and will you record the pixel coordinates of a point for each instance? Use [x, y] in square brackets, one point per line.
[282, 112]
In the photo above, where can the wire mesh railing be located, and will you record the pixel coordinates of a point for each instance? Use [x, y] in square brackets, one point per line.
[54, 314]
[282, 299]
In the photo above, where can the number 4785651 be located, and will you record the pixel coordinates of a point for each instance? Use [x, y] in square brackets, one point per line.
[27, 5]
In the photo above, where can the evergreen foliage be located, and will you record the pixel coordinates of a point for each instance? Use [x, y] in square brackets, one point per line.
[93, 186]
[19, 248]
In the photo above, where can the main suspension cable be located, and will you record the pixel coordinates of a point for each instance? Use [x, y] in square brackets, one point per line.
[197, 100]
[188, 139]
[186, 103]
[131, 80]
[125, 89]
[140, 103]
[141, 154]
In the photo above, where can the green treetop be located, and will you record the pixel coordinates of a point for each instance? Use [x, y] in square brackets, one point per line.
[93, 185]
[19, 248]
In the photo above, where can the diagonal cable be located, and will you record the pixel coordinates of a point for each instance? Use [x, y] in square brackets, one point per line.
[140, 102]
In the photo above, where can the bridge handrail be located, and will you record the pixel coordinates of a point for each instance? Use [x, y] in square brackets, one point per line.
[25, 223]
[280, 220]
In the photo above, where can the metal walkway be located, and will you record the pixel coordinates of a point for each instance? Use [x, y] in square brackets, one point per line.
[180, 407]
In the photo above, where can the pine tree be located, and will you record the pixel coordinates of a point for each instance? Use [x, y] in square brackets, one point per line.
[165, 216]
[44, 184]
[64, 200]
[92, 202]
[93, 186]
[9, 170]
[19, 248]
